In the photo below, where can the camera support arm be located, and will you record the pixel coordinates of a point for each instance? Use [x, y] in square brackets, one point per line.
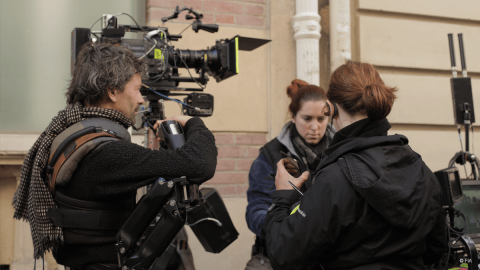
[172, 198]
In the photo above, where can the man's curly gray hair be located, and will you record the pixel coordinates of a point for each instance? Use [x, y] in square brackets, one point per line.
[100, 66]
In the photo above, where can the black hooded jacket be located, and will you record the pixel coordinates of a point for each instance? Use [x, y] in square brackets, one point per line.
[374, 204]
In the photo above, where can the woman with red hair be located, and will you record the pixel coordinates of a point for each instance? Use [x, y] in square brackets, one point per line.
[373, 203]
[304, 138]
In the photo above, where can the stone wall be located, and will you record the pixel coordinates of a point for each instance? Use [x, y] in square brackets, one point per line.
[245, 13]
[407, 43]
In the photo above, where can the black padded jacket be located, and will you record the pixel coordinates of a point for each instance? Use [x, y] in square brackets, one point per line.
[115, 170]
[374, 204]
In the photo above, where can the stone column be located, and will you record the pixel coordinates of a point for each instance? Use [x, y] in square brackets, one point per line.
[306, 26]
[23, 246]
[340, 39]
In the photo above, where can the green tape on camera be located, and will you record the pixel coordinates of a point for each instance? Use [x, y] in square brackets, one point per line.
[158, 54]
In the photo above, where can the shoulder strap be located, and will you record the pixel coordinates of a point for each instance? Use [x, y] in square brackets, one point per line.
[59, 154]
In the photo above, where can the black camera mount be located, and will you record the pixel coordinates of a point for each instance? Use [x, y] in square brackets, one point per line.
[171, 199]
[461, 247]
[463, 108]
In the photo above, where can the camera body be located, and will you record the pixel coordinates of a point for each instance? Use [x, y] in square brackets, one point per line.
[163, 61]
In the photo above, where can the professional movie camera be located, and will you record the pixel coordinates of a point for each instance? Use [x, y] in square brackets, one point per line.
[144, 241]
[163, 60]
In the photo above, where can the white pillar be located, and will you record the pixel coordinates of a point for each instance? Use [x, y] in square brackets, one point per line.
[306, 26]
[340, 39]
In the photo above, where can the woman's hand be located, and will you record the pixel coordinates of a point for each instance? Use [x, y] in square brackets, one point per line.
[282, 177]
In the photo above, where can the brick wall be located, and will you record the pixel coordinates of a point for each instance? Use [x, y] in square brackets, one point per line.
[236, 152]
[248, 13]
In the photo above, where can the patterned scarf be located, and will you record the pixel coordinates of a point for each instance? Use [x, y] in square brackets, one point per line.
[32, 198]
[312, 153]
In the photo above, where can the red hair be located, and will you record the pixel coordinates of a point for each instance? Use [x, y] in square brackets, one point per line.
[358, 88]
[300, 91]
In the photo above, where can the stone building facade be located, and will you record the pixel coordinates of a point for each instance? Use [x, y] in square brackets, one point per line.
[405, 40]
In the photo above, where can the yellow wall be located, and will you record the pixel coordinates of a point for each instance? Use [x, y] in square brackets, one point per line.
[7, 188]
[407, 42]
[252, 103]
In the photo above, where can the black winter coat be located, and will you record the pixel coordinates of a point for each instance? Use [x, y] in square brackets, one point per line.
[374, 204]
[114, 171]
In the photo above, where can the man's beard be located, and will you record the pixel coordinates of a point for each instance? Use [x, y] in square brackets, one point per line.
[133, 118]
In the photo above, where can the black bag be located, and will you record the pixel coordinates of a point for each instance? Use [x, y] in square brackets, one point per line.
[213, 237]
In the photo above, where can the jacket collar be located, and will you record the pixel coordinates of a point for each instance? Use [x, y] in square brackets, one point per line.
[358, 136]
[284, 136]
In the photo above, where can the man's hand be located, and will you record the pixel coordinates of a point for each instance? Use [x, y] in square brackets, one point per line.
[181, 119]
[282, 177]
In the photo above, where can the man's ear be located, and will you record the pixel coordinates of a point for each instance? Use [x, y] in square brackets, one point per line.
[111, 94]
[293, 117]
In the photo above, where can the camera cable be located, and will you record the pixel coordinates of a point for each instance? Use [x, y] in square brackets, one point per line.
[460, 233]
[473, 141]
[119, 14]
[92, 27]
[461, 146]
[95, 23]
[169, 98]
[185, 28]
[116, 15]
[153, 47]
[477, 162]
[165, 61]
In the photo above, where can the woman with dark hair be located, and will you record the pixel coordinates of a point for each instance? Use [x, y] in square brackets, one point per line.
[304, 138]
[373, 203]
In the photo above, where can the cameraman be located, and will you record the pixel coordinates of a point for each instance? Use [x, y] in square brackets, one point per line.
[105, 89]
[374, 204]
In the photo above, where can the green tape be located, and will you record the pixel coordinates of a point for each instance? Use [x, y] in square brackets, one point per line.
[236, 52]
[158, 54]
[295, 210]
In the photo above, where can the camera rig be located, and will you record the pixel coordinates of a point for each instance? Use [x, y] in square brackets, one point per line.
[164, 61]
